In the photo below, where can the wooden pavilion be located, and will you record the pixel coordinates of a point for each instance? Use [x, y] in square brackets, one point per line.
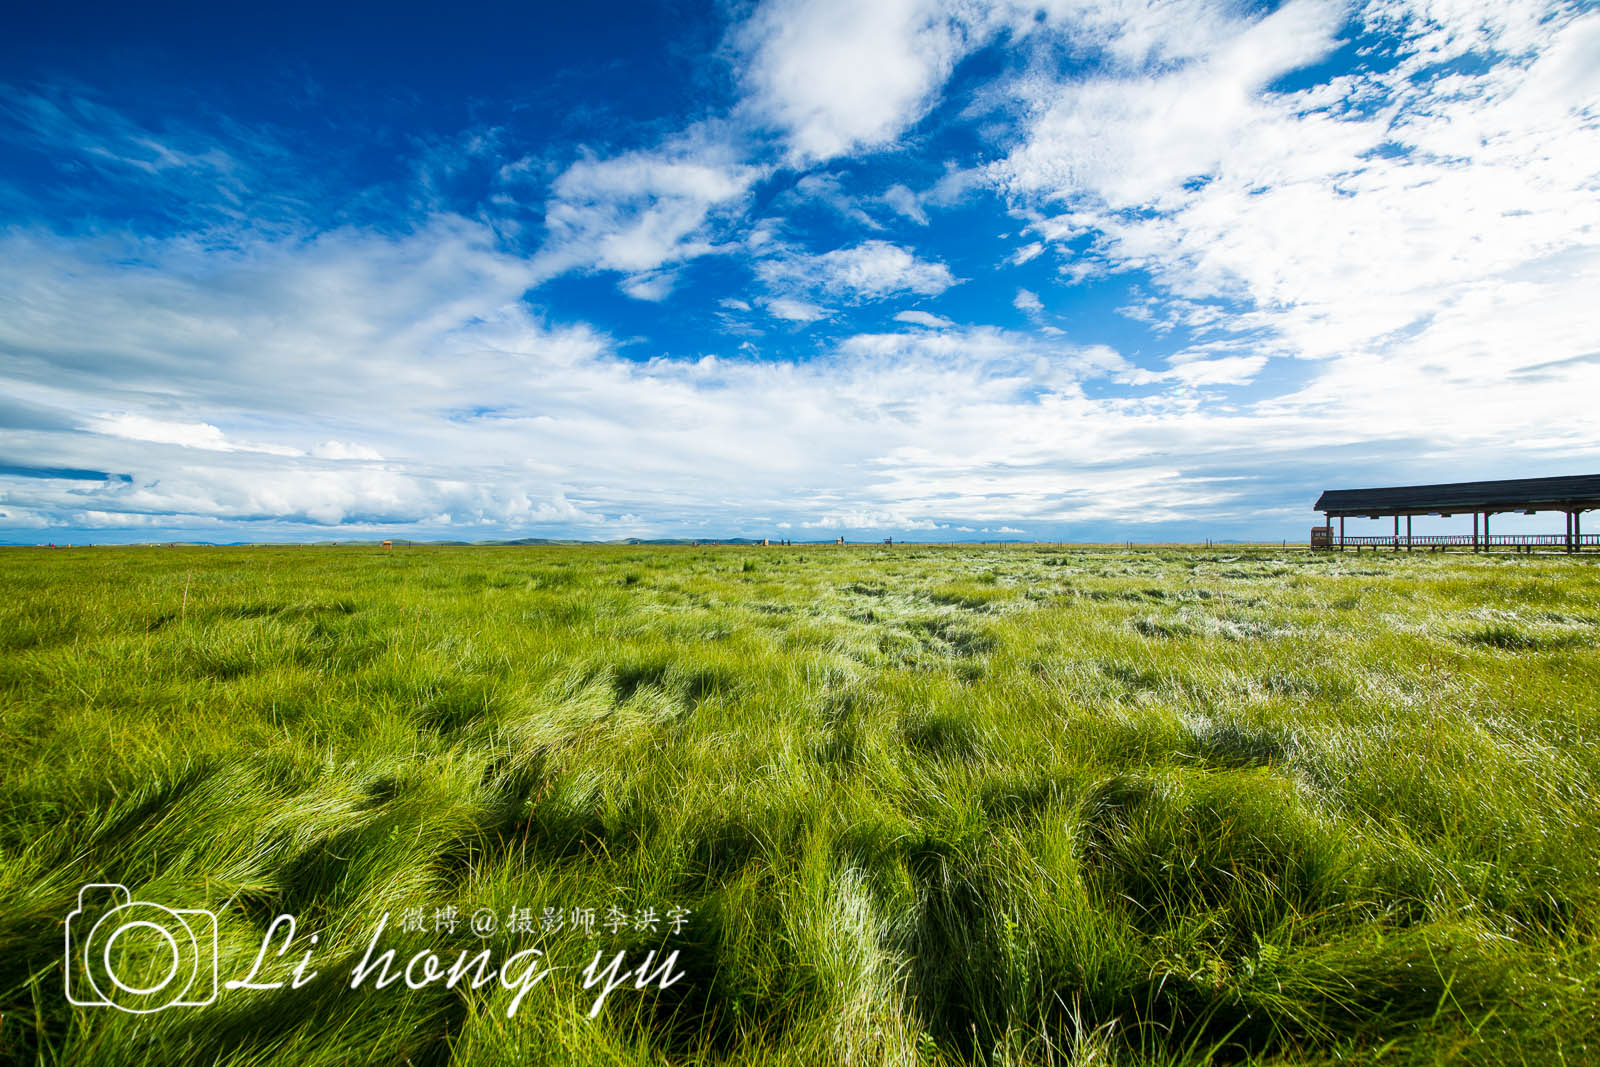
[1572, 494]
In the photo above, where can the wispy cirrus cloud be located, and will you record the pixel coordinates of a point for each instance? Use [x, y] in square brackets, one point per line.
[204, 177]
[924, 318]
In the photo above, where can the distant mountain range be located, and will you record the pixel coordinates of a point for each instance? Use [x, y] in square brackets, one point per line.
[513, 542]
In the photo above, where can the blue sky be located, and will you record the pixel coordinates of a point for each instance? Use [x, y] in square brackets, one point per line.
[937, 271]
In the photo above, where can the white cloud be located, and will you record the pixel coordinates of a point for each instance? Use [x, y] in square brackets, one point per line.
[192, 172]
[867, 519]
[868, 271]
[1028, 301]
[345, 450]
[1126, 140]
[185, 434]
[1221, 370]
[924, 318]
[837, 75]
[794, 310]
[491, 423]
[1027, 253]
[641, 210]
[1426, 235]
[904, 201]
[654, 286]
[201, 435]
[420, 348]
[828, 189]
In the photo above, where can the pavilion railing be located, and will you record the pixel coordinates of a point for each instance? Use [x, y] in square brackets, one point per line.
[1467, 541]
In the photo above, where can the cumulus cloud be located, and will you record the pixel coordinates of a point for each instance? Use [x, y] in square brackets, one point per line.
[640, 210]
[871, 270]
[200, 435]
[837, 75]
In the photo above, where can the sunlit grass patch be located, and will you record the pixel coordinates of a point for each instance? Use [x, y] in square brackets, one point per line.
[927, 805]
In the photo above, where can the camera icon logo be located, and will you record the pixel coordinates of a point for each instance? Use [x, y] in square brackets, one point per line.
[137, 956]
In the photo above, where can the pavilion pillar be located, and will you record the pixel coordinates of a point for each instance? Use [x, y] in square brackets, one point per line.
[1341, 533]
[1474, 531]
[1486, 515]
[1408, 533]
[1569, 531]
[1577, 530]
[1397, 532]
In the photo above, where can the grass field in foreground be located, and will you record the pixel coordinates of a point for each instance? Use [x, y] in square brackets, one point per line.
[922, 805]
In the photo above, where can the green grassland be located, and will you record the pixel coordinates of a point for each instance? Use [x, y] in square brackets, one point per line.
[992, 805]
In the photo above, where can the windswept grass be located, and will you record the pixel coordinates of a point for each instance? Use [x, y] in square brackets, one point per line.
[924, 805]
